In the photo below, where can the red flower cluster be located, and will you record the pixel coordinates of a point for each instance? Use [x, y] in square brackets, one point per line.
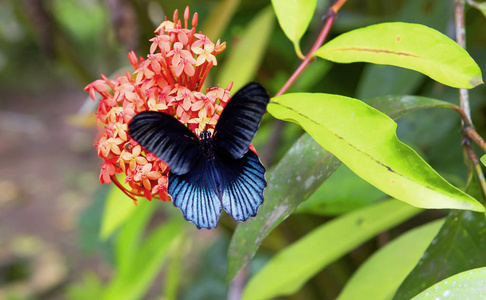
[169, 81]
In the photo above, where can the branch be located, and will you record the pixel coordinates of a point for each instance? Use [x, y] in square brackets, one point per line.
[467, 126]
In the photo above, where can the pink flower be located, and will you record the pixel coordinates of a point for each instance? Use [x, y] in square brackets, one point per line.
[168, 80]
[145, 174]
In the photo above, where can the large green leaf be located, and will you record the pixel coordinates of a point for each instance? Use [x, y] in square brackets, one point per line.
[245, 56]
[287, 271]
[306, 163]
[345, 191]
[470, 284]
[131, 236]
[460, 245]
[145, 264]
[118, 210]
[294, 17]
[381, 275]
[365, 140]
[411, 46]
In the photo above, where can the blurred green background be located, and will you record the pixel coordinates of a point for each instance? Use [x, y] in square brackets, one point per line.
[51, 202]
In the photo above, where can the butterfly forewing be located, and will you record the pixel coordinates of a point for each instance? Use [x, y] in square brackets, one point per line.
[167, 138]
[240, 119]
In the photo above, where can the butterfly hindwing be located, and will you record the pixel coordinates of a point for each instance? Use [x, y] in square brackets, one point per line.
[243, 182]
[196, 195]
[240, 119]
[167, 138]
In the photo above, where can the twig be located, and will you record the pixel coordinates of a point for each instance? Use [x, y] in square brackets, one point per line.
[470, 133]
[467, 126]
[477, 166]
[330, 17]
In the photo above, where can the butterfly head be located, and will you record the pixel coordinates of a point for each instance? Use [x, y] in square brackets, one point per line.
[205, 136]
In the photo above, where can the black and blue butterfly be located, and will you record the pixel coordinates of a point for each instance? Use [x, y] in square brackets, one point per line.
[213, 171]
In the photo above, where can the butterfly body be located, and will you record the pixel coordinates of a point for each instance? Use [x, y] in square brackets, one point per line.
[210, 172]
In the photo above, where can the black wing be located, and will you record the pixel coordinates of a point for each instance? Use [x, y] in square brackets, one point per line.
[240, 119]
[243, 182]
[196, 194]
[167, 138]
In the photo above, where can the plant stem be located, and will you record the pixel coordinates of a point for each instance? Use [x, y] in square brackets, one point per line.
[471, 134]
[467, 126]
[331, 16]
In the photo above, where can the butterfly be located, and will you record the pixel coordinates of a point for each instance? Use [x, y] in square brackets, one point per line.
[210, 172]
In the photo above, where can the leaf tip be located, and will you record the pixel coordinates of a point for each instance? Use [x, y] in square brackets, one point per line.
[476, 81]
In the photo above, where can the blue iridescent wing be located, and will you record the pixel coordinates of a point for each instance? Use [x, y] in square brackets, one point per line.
[242, 185]
[196, 194]
[240, 119]
[167, 138]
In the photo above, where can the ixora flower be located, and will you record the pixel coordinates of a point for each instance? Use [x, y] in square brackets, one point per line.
[169, 80]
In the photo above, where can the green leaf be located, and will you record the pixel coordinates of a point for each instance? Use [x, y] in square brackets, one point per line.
[305, 163]
[470, 284]
[245, 56]
[365, 140]
[130, 236]
[460, 245]
[379, 80]
[145, 263]
[287, 271]
[294, 17]
[411, 46]
[341, 193]
[118, 210]
[398, 105]
[483, 159]
[381, 275]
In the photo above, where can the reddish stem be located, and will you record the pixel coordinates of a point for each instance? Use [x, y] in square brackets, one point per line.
[331, 16]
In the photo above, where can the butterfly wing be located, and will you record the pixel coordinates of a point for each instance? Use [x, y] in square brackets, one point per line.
[167, 138]
[196, 194]
[240, 119]
[243, 182]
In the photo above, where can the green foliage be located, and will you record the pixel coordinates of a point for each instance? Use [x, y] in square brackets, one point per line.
[294, 17]
[373, 152]
[322, 231]
[116, 212]
[466, 285]
[411, 46]
[248, 53]
[305, 162]
[381, 275]
[291, 268]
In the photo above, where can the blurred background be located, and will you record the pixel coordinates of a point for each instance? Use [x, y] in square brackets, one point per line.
[51, 201]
